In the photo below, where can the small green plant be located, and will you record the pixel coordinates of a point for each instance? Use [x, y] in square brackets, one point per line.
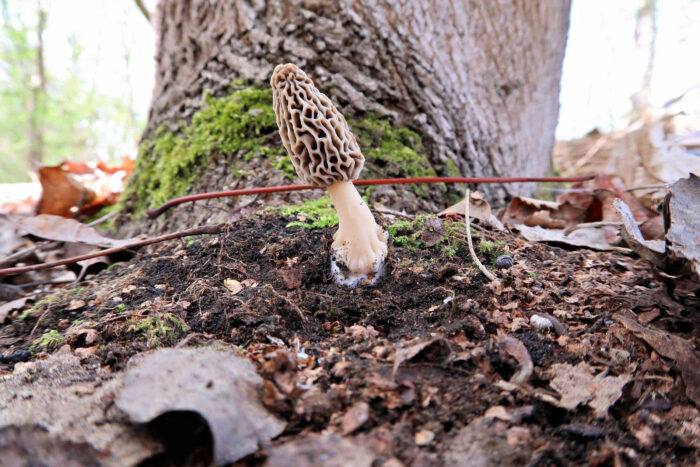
[121, 307]
[532, 274]
[407, 234]
[316, 214]
[156, 330]
[48, 341]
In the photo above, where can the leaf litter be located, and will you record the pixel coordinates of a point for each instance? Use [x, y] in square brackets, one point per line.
[433, 365]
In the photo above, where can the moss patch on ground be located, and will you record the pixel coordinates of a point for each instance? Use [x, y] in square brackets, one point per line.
[50, 340]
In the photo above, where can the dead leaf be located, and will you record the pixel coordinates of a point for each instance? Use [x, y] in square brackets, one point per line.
[233, 285]
[71, 189]
[548, 214]
[484, 443]
[669, 346]
[65, 230]
[61, 194]
[651, 250]
[327, 449]
[6, 308]
[478, 208]
[433, 350]
[355, 417]
[55, 401]
[586, 237]
[518, 351]
[433, 231]
[578, 385]
[220, 386]
[683, 221]
[291, 278]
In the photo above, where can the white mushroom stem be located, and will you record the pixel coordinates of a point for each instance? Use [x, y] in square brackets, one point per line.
[359, 242]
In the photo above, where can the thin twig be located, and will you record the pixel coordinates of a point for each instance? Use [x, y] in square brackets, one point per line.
[481, 267]
[153, 213]
[208, 229]
[143, 9]
[656, 186]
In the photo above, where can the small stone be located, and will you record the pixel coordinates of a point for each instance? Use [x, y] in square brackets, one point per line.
[424, 437]
[504, 262]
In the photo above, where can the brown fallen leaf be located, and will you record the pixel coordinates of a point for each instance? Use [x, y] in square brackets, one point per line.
[220, 386]
[682, 216]
[518, 351]
[653, 251]
[478, 208]
[291, 277]
[578, 385]
[72, 417]
[593, 238]
[6, 308]
[548, 214]
[326, 449]
[669, 346]
[65, 230]
[433, 231]
[355, 417]
[435, 350]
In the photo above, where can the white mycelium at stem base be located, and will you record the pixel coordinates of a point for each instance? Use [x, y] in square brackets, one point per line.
[325, 153]
[359, 242]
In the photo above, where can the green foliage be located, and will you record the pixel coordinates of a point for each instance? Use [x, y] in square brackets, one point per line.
[170, 163]
[48, 341]
[315, 214]
[490, 248]
[74, 120]
[156, 330]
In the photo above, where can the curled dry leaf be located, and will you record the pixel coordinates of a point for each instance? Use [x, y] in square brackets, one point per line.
[434, 350]
[669, 346]
[652, 250]
[220, 386]
[683, 221]
[517, 350]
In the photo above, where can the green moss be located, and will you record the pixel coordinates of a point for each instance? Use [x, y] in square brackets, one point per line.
[313, 214]
[391, 151]
[407, 234]
[170, 163]
[491, 248]
[48, 341]
[156, 330]
[452, 169]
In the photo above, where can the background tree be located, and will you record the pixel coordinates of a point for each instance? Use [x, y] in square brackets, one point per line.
[49, 116]
[455, 87]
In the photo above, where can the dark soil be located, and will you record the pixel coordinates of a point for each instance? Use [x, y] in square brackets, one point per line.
[267, 289]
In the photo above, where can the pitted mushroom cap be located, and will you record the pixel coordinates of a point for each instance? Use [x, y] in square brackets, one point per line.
[315, 134]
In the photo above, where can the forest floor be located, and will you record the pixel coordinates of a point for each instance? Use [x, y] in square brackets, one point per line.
[433, 365]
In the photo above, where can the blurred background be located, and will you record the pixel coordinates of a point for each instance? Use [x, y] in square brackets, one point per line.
[76, 75]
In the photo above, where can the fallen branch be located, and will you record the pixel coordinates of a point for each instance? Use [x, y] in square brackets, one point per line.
[209, 229]
[153, 213]
[481, 267]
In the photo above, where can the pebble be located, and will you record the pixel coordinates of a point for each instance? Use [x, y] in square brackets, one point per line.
[504, 262]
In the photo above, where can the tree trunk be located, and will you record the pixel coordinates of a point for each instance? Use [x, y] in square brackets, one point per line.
[476, 82]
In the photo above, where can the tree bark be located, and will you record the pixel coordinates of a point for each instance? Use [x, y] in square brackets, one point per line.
[478, 79]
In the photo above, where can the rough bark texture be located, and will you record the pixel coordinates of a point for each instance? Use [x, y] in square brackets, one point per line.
[478, 79]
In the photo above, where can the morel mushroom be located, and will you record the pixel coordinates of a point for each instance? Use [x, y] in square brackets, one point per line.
[325, 153]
